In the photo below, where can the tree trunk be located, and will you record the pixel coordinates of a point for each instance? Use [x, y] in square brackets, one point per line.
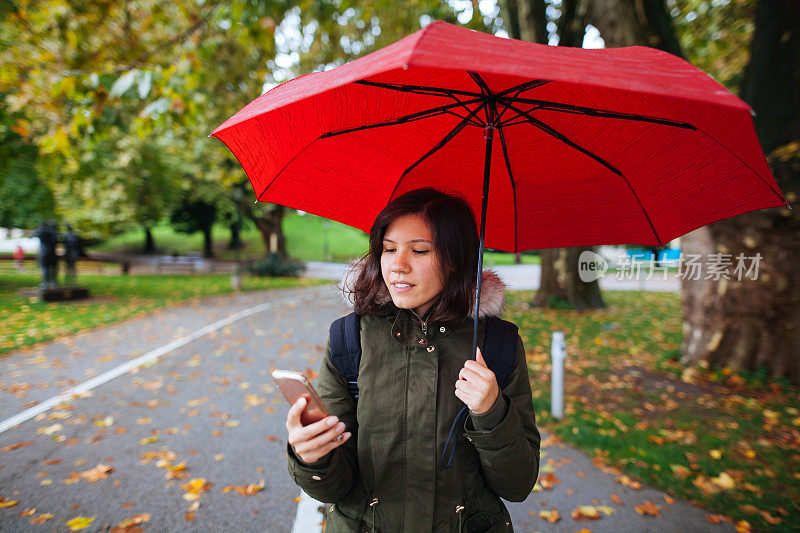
[755, 323]
[533, 21]
[235, 242]
[270, 226]
[149, 243]
[510, 10]
[208, 243]
[559, 281]
[560, 284]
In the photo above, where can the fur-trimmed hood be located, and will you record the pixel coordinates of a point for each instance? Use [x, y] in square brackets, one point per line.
[493, 298]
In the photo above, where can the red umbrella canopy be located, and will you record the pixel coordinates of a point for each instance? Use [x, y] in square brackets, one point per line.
[628, 145]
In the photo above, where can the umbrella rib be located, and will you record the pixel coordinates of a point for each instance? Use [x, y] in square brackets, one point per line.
[780, 195]
[522, 87]
[447, 138]
[480, 83]
[513, 186]
[433, 112]
[474, 123]
[566, 108]
[418, 89]
[561, 137]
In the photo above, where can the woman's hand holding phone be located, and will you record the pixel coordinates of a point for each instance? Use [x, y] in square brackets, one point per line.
[314, 441]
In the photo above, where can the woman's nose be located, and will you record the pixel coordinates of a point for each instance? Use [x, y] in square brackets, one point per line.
[399, 265]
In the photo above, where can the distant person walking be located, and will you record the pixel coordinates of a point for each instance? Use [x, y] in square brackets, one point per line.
[19, 257]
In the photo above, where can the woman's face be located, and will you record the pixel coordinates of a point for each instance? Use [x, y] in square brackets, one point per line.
[409, 264]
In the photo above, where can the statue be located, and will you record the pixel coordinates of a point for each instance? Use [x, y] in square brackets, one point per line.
[71, 249]
[48, 238]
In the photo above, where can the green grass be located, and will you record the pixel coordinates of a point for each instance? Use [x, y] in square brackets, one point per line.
[625, 406]
[24, 322]
[305, 239]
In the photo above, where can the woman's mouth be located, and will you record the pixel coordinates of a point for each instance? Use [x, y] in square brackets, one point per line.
[402, 287]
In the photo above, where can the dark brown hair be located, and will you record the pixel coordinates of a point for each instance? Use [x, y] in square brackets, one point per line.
[455, 243]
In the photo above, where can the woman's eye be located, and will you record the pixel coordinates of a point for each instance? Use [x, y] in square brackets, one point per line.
[421, 252]
[388, 250]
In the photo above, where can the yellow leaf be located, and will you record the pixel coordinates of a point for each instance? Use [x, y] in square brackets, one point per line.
[44, 517]
[196, 485]
[705, 485]
[605, 509]
[80, 522]
[725, 481]
[586, 511]
[135, 521]
[550, 516]
[7, 503]
[247, 490]
[629, 482]
[97, 473]
[716, 454]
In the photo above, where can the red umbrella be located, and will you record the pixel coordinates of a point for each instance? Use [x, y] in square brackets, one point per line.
[553, 146]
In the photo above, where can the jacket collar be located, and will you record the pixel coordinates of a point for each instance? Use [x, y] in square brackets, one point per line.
[492, 302]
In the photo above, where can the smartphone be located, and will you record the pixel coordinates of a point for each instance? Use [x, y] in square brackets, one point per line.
[294, 385]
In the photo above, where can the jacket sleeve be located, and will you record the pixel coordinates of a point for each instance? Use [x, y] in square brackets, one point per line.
[331, 478]
[509, 451]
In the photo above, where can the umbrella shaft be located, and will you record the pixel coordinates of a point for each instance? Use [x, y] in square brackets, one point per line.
[487, 167]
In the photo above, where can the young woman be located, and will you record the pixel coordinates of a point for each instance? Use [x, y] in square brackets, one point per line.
[379, 460]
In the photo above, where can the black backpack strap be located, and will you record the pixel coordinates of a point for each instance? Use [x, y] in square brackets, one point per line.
[500, 348]
[345, 338]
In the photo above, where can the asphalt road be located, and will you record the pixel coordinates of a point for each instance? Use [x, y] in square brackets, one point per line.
[209, 402]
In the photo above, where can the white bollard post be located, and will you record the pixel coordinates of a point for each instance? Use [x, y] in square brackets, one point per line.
[558, 354]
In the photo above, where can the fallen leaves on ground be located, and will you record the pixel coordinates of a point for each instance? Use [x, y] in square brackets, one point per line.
[79, 522]
[629, 482]
[586, 512]
[97, 473]
[550, 516]
[7, 503]
[246, 490]
[194, 488]
[16, 446]
[129, 524]
[647, 508]
[42, 518]
[548, 480]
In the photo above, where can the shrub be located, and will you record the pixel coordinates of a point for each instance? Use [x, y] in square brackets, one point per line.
[276, 266]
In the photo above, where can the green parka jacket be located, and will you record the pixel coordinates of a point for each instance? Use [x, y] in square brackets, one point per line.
[388, 475]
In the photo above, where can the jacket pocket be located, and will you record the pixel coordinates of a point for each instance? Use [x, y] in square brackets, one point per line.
[338, 521]
[474, 518]
[483, 522]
